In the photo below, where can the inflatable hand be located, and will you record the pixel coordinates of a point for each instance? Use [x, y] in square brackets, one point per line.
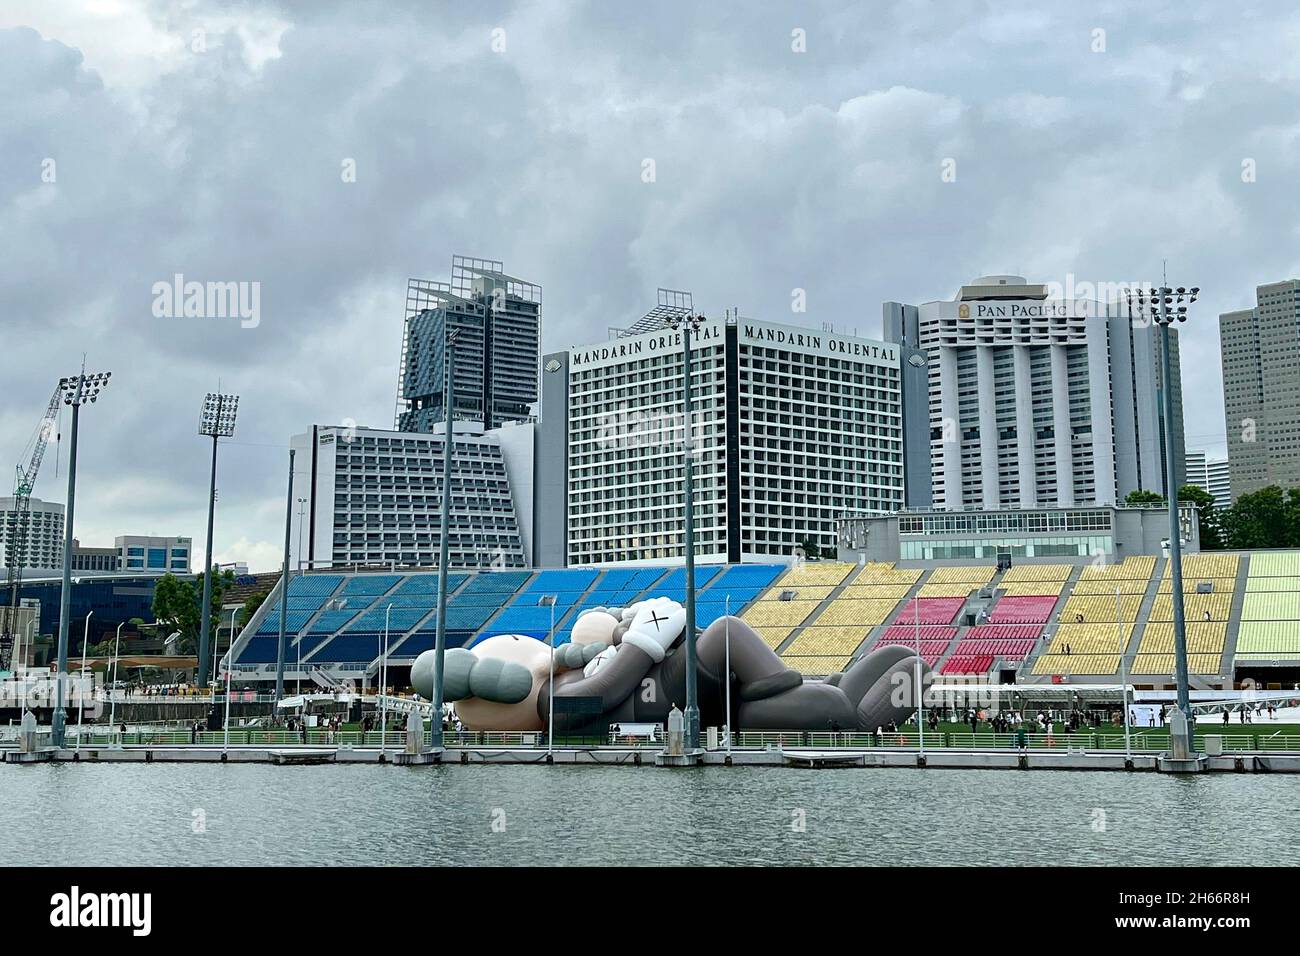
[599, 661]
[657, 624]
[572, 656]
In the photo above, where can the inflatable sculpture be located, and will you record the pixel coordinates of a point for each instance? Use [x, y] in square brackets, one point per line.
[632, 663]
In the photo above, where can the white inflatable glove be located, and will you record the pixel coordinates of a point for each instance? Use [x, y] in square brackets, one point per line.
[599, 661]
[657, 625]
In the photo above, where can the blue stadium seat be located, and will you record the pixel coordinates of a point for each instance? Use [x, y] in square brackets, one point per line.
[371, 584]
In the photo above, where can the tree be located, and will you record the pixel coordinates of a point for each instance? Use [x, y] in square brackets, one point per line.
[1143, 497]
[1207, 517]
[1268, 518]
[810, 549]
[251, 605]
[177, 603]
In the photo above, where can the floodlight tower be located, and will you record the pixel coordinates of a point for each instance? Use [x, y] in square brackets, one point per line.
[689, 323]
[77, 390]
[217, 420]
[1165, 306]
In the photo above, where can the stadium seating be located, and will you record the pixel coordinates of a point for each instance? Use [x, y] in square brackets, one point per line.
[1111, 585]
[848, 611]
[907, 633]
[1137, 567]
[780, 613]
[874, 592]
[368, 584]
[1278, 583]
[804, 592]
[1209, 564]
[1195, 606]
[940, 610]
[1100, 607]
[816, 666]
[826, 641]
[1026, 573]
[1091, 639]
[1275, 564]
[830, 573]
[1163, 664]
[1023, 609]
[1068, 664]
[1268, 640]
[880, 573]
[967, 664]
[1203, 637]
[1270, 612]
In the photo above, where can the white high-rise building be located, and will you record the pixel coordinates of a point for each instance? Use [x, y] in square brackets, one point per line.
[44, 540]
[1261, 389]
[792, 427]
[1038, 402]
[1210, 474]
[375, 497]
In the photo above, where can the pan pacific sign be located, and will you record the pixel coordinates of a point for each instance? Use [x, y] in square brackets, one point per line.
[1027, 309]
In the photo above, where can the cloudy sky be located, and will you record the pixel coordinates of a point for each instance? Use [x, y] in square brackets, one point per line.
[798, 146]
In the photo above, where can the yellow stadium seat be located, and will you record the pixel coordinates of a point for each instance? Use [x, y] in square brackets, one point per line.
[813, 574]
[1108, 586]
[876, 573]
[778, 613]
[866, 613]
[1085, 639]
[1194, 607]
[1207, 565]
[959, 589]
[816, 666]
[773, 636]
[1031, 588]
[1137, 566]
[1163, 664]
[1217, 585]
[1100, 607]
[1277, 583]
[1076, 664]
[803, 592]
[1036, 572]
[827, 641]
[1275, 639]
[1203, 637]
[875, 592]
[974, 575]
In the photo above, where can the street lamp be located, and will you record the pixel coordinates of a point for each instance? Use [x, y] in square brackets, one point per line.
[726, 673]
[544, 601]
[383, 687]
[81, 691]
[1123, 671]
[440, 635]
[217, 420]
[302, 507]
[688, 324]
[112, 707]
[1165, 306]
[920, 698]
[77, 390]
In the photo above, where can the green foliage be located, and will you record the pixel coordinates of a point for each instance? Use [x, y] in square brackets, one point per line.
[810, 549]
[177, 604]
[1143, 497]
[1207, 516]
[1269, 518]
[250, 607]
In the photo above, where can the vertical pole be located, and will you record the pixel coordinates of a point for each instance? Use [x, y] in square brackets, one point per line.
[1123, 670]
[383, 687]
[692, 714]
[440, 636]
[60, 718]
[81, 681]
[550, 693]
[225, 723]
[284, 588]
[1175, 545]
[112, 707]
[206, 611]
[726, 634]
[920, 704]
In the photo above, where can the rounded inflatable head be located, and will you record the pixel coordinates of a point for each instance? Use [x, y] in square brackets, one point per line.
[594, 627]
[476, 713]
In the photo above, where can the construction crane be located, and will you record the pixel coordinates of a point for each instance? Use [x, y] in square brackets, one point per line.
[16, 554]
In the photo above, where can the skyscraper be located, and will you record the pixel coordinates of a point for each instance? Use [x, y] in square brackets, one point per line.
[1210, 474]
[497, 319]
[1036, 401]
[1261, 388]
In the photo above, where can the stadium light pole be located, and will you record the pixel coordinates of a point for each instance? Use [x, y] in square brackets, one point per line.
[217, 420]
[726, 674]
[1123, 671]
[1165, 306]
[81, 678]
[284, 589]
[440, 634]
[383, 687]
[112, 707]
[920, 703]
[549, 600]
[77, 390]
[302, 507]
[688, 324]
